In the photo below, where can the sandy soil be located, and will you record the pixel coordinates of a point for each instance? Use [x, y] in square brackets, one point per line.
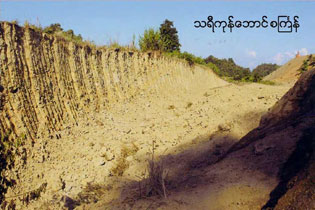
[288, 73]
[111, 149]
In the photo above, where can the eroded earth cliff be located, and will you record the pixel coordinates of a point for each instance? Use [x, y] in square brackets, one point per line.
[79, 124]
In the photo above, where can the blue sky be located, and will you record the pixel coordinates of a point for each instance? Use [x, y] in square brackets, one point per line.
[102, 21]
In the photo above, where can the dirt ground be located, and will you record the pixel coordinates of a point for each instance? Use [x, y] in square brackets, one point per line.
[287, 73]
[92, 165]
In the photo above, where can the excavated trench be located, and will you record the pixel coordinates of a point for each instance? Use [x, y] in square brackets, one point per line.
[78, 125]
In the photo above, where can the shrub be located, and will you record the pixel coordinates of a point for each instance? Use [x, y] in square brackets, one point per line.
[190, 58]
[53, 28]
[155, 183]
[150, 40]
[304, 66]
[156, 179]
[56, 29]
[214, 68]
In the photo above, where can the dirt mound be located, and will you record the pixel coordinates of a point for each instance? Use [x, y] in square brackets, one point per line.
[297, 109]
[288, 73]
[297, 103]
[289, 128]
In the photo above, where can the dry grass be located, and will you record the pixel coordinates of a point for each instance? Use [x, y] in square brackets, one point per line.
[92, 193]
[122, 164]
[155, 184]
[156, 180]
[128, 151]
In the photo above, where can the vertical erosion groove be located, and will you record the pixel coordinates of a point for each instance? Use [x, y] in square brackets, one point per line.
[47, 82]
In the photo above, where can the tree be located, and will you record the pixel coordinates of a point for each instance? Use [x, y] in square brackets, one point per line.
[264, 69]
[150, 40]
[228, 68]
[169, 37]
[57, 29]
[53, 28]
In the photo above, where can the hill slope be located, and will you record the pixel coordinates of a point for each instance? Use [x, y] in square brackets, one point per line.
[288, 73]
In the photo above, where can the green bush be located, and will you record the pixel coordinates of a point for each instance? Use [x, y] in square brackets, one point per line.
[56, 29]
[150, 40]
[214, 68]
[190, 58]
[304, 66]
[253, 77]
[53, 28]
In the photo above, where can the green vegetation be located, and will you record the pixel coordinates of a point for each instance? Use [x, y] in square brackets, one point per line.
[56, 29]
[190, 58]
[264, 69]
[35, 28]
[309, 62]
[213, 67]
[166, 41]
[150, 40]
[227, 68]
[68, 35]
[304, 66]
[169, 37]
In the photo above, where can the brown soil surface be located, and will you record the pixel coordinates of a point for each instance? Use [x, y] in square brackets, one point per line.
[288, 73]
[187, 125]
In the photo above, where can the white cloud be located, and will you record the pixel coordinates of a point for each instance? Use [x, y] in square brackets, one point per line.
[290, 54]
[278, 58]
[303, 51]
[281, 58]
[251, 53]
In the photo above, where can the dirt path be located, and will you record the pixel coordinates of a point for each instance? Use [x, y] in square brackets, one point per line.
[111, 148]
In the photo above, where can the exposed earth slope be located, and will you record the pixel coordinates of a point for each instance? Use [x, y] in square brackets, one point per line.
[270, 167]
[79, 124]
[288, 73]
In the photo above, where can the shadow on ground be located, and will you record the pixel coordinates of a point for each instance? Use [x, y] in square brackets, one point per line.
[183, 172]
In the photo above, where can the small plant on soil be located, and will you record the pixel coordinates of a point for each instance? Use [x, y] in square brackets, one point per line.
[155, 184]
[122, 164]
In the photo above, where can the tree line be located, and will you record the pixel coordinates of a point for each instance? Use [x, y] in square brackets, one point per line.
[166, 40]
